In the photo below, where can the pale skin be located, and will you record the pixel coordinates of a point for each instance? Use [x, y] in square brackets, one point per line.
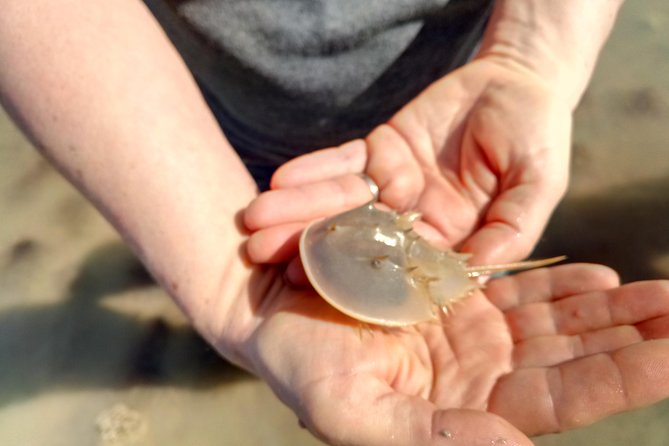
[102, 93]
[483, 153]
[482, 171]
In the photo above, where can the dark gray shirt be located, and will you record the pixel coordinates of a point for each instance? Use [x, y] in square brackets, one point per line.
[288, 76]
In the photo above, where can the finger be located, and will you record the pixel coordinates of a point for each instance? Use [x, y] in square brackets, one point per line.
[275, 244]
[547, 284]
[306, 203]
[627, 305]
[512, 224]
[580, 392]
[657, 328]
[395, 169]
[361, 410]
[321, 165]
[444, 206]
[546, 351]
[295, 273]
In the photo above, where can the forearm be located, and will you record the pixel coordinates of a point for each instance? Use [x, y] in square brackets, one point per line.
[103, 94]
[557, 39]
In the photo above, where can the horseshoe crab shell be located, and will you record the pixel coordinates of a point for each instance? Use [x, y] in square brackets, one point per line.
[372, 266]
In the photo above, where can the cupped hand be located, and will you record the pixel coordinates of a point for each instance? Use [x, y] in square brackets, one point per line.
[482, 153]
[542, 351]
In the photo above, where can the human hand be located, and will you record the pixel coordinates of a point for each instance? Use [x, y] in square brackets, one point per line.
[482, 153]
[542, 351]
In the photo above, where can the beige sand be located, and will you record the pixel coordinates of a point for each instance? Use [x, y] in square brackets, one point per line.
[93, 354]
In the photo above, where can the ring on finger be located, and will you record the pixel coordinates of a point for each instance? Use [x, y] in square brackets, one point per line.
[373, 187]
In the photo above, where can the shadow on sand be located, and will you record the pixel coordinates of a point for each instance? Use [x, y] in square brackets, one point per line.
[80, 344]
[626, 228]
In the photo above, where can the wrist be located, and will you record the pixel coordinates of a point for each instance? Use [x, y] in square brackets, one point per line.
[557, 41]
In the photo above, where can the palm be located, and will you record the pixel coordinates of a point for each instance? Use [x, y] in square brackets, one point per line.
[464, 352]
[486, 357]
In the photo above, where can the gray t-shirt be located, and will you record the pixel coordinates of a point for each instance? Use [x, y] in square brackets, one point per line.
[288, 76]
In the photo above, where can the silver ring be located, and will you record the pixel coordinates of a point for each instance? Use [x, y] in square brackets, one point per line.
[373, 187]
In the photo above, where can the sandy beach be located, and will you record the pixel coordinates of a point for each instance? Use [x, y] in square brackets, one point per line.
[93, 353]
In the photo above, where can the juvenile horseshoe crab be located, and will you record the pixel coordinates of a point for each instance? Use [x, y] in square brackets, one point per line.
[371, 265]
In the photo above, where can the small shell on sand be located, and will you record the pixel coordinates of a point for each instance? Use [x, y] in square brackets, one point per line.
[120, 425]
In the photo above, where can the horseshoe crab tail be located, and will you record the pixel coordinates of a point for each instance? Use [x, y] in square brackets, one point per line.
[485, 270]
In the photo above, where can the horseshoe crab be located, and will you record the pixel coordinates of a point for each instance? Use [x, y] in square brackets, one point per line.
[371, 265]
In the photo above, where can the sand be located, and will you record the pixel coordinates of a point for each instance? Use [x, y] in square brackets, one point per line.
[93, 353]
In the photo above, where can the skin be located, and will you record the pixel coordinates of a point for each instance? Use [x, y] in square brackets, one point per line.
[482, 369]
[483, 153]
[101, 92]
[483, 184]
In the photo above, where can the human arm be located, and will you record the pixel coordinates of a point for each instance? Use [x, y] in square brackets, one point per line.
[103, 94]
[483, 152]
[559, 41]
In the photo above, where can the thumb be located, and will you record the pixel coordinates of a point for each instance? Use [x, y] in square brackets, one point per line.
[356, 410]
[512, 224]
